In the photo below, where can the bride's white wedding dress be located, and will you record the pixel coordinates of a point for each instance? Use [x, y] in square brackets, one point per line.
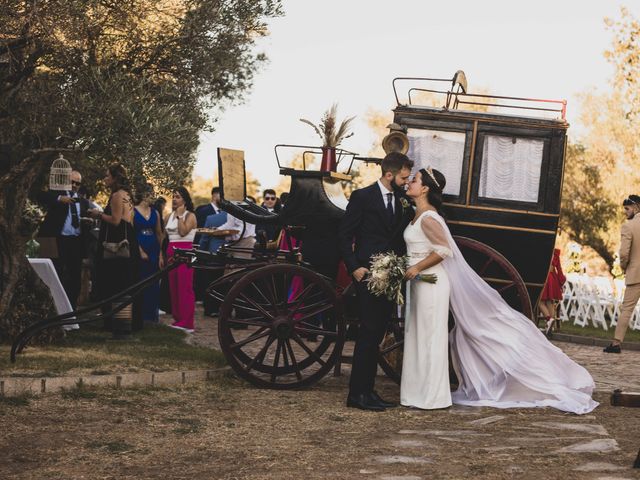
[501, 358]
[425, 370]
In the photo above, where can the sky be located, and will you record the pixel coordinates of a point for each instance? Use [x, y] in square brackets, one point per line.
[348, 51]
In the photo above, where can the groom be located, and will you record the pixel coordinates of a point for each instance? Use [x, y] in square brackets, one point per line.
[374, 223]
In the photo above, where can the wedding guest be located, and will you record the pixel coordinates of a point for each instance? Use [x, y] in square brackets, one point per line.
[245, 238]
[92, 229]
[202, 213]
[269, 232]
[159, 205]
[552, 292]
[630, 263]
[62, 223]
[211, 208]
[150, 236]
[211, 244]
[117, 273]
[181, 228]
[283, 198]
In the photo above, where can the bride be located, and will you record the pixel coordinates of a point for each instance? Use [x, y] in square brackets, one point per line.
[500, 357]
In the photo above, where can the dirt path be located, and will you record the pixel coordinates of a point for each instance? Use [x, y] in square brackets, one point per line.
[229, 430]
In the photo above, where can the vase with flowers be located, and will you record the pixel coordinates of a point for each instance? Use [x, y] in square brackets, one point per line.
[331, 135]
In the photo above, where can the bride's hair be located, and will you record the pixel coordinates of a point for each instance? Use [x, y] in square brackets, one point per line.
[436, 185]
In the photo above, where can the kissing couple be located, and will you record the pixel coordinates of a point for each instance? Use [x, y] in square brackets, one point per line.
[500, 357]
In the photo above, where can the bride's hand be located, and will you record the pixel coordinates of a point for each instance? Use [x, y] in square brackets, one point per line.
[411, 273]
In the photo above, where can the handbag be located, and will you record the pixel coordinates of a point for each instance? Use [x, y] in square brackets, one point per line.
[116, 249]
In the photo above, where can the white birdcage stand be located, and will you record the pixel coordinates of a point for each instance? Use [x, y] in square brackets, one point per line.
[60, 174]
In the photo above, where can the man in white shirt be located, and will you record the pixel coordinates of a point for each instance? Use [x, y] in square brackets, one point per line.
[246, 235]
[62, 222]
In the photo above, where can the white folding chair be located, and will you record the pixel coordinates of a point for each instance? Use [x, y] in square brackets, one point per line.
[618, 295]
[581, 303]
[596, 306]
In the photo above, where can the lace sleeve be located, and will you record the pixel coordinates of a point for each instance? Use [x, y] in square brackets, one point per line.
[436, 235]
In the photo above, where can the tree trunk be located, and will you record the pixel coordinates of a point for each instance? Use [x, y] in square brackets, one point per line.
[24, 298]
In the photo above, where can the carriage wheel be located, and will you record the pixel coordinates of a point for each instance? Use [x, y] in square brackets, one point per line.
[281, 327]
[498, 272]
[494, 268]
[390, 354]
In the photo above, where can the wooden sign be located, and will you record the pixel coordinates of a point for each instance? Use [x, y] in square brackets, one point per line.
[231, 171]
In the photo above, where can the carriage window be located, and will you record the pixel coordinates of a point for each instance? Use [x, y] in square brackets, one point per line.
[441, 150]
[511, 168]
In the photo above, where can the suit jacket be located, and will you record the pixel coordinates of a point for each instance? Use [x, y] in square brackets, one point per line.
[365, 229]
[271, 230]
[210, 243]
[57, 212]
[202, 212]
[630, 250]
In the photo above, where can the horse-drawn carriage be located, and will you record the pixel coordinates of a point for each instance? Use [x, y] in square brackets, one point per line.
[284, 312]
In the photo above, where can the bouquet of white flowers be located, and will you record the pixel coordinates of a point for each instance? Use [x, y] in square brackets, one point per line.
[387, 275]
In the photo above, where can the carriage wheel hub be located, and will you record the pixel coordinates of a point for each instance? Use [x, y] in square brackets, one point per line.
[283, 328]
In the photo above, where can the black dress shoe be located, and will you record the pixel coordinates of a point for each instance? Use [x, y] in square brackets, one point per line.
[612, 349]
[364, 401]
[375, 398]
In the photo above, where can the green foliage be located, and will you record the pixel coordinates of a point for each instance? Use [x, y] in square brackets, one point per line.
[586, 209]
[624, 55]
[101, 80]
[130, 81]
[602, 167]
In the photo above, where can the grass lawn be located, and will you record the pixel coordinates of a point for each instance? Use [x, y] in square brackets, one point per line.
[88, 351]
[590, 331]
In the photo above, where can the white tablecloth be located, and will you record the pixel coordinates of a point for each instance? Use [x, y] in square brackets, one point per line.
[47, 273]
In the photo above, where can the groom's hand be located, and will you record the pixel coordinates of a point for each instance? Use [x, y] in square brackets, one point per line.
[360, 273]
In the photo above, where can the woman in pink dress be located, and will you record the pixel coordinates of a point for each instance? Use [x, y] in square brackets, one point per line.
[180, 226]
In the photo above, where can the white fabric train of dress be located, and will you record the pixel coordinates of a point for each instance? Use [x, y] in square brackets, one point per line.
[501, 358]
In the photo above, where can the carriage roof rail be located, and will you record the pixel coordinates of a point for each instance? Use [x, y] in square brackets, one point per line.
[458, 94]
[315, 150]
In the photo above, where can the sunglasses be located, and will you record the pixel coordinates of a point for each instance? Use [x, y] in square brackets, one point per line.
[269, 198]
[73, 182]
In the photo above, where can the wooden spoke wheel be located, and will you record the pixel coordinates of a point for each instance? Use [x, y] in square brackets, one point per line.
[493, 267]
[390, 354]
[498, 272]
[281, 327]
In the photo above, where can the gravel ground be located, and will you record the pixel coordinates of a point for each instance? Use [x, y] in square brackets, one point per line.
[226, 429]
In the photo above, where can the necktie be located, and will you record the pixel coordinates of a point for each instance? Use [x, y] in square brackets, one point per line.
[390, 206]
[75, 221]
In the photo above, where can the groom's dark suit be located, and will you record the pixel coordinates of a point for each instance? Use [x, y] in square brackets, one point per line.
[367, 229]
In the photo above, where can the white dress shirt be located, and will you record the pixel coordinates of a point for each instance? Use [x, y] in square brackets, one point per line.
[234, 223]
[384, 191]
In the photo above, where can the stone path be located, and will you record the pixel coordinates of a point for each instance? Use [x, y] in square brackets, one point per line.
[569, 443]
[610, 371]
[513, 443]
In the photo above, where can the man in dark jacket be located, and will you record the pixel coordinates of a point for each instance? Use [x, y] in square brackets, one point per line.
[268, 232]
[374, 223]
[62, 222]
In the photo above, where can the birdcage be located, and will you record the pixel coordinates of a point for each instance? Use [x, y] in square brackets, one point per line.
[60, 174]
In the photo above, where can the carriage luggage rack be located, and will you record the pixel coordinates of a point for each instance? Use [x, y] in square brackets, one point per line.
[458, 95]
[342, 155]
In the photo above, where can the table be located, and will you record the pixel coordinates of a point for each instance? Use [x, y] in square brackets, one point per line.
[47, 273]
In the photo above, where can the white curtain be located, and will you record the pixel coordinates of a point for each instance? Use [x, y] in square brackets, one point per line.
[511, 168]
[441, 150]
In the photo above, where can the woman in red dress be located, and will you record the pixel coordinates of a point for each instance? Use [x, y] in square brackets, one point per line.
[552, 292]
